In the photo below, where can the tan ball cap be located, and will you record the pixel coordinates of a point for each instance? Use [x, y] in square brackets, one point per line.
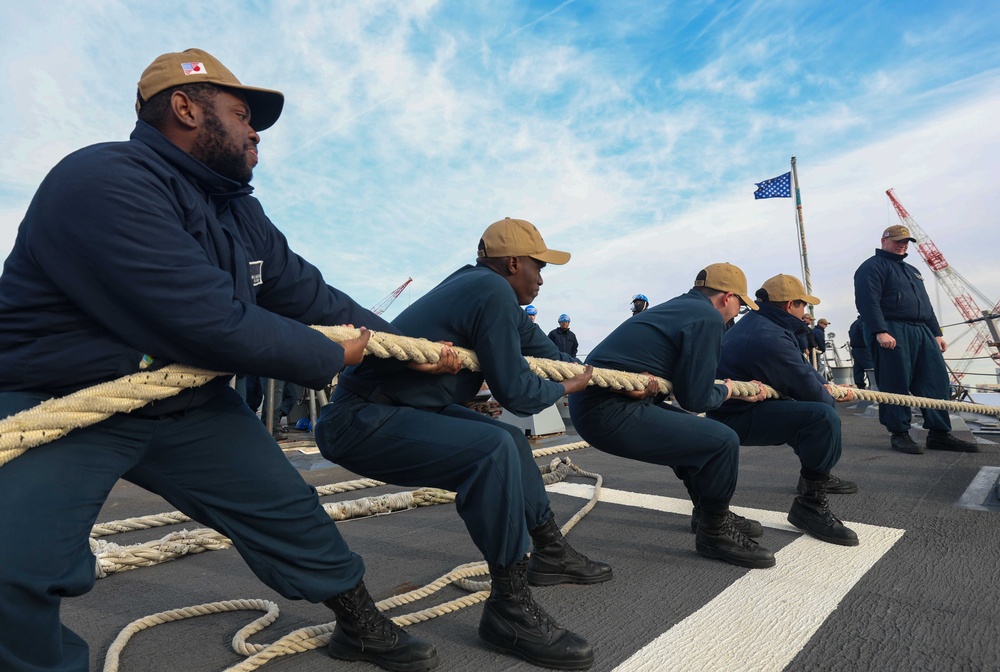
[193, 66]
[787, 288]
[518, 238]
[725, 277]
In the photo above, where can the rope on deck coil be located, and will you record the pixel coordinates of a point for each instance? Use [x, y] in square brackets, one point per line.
[312, 637]
[55, 418]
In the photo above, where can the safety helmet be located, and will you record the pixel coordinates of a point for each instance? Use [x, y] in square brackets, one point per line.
[531, 310]
[564, 318]
[640, 297]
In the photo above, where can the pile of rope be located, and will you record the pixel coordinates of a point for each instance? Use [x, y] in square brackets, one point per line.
[121, 558]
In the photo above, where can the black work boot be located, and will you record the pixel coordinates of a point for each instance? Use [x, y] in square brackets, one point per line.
[363, 633]
[811, 512]
[904, 443]
[939, 440]
[513, 622]
[834, 486]
[554, 561]
[747, 526]
[718, 538]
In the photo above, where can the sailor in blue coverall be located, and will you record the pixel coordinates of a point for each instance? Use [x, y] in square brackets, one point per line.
[860, 355]
[680, 340]
[385, 422]
[905, 342]
[155, 247]
[765, 346]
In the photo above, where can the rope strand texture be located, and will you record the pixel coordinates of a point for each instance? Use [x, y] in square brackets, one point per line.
[55, 418]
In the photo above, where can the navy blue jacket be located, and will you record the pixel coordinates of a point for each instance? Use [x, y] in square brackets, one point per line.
[856, 334]
[887, 288]
[763, 346]
[565, 340]
[819, 333]
[133, 248]
[472, 308]
[679, 340]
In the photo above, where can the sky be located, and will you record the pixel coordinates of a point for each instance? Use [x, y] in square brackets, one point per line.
[631, 133]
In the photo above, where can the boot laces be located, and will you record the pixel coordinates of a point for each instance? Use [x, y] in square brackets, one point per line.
[729, 529]
[367, 618]
[522, 592]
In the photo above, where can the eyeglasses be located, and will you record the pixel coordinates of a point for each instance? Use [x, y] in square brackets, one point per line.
[744, 308]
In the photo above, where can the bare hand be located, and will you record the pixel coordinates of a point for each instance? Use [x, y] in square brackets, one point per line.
[579, 381]
[941, 343]
[354, 348]
[651, 390]
[847, 397]
[885, 340]
[448, 364]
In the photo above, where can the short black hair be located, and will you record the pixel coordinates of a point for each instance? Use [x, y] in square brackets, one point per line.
[154, 111]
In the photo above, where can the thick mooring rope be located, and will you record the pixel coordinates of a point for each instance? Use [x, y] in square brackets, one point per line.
[54, 418]
[312, 637]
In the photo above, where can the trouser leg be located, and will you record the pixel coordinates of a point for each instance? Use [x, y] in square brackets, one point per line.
[930, 377]
[51, 496]
[893, 371]
[536, 500]
[703, 453]
[811, 428]
[218, 465]
[407, 446]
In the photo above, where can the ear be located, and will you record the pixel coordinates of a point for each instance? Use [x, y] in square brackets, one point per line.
[513, 265]
[186, 112]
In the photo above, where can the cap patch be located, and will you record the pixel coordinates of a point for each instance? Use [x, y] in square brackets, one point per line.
[194, 68]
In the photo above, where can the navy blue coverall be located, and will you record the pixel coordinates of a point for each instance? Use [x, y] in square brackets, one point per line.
[565, 340]
[134, 248]
[763, 346]
[388, 422]
[891, 298]
[679, 340]
[861, 356]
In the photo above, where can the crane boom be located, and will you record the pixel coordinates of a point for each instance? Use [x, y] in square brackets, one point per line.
[384, 304]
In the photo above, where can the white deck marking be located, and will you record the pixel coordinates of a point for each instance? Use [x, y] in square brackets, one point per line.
[767, 616]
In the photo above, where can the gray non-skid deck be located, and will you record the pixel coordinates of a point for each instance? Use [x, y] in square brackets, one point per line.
[927, 602]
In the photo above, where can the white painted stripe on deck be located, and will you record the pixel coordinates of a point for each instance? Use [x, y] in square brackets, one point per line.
[766, 617]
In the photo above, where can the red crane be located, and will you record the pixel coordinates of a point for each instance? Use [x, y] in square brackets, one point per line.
[957, 287]
[384, 304]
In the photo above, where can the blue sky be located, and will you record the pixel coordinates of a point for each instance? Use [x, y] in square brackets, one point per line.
[630, 132]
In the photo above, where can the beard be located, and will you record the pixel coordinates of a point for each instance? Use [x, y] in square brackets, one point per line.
[225, 158]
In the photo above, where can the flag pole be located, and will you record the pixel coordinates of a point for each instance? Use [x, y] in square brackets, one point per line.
[807, 281]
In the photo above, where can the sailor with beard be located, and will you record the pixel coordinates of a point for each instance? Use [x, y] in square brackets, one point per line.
[134, 254]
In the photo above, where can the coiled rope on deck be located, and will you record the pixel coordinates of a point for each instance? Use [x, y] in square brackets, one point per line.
[313, 637]
[55, 418]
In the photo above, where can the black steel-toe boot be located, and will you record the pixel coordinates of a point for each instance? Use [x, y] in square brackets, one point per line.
[939, 440]
[513, 622]
[554, 561]
[363, 633]
[718, 538]
[904, 443]
[747, 526]
[834, 486]
[811, 512]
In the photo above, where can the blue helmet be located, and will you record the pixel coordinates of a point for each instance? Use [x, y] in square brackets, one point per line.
[531, 310]
[564, 318]
[640, 297]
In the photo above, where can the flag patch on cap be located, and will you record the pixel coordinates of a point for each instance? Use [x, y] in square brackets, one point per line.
[194, 68]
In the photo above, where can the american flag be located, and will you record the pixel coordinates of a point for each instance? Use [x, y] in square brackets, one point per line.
[776, 187]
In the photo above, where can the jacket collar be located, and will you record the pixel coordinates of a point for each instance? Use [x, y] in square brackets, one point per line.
[879, 252]
[204, 177]
[782, 319]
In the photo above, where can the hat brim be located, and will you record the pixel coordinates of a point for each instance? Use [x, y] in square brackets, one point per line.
[811, 300]
[912, 240]
[265, 105]
[750, 302]
[556, 257]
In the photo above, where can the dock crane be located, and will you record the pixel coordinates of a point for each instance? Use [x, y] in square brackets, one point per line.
[384, 304]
